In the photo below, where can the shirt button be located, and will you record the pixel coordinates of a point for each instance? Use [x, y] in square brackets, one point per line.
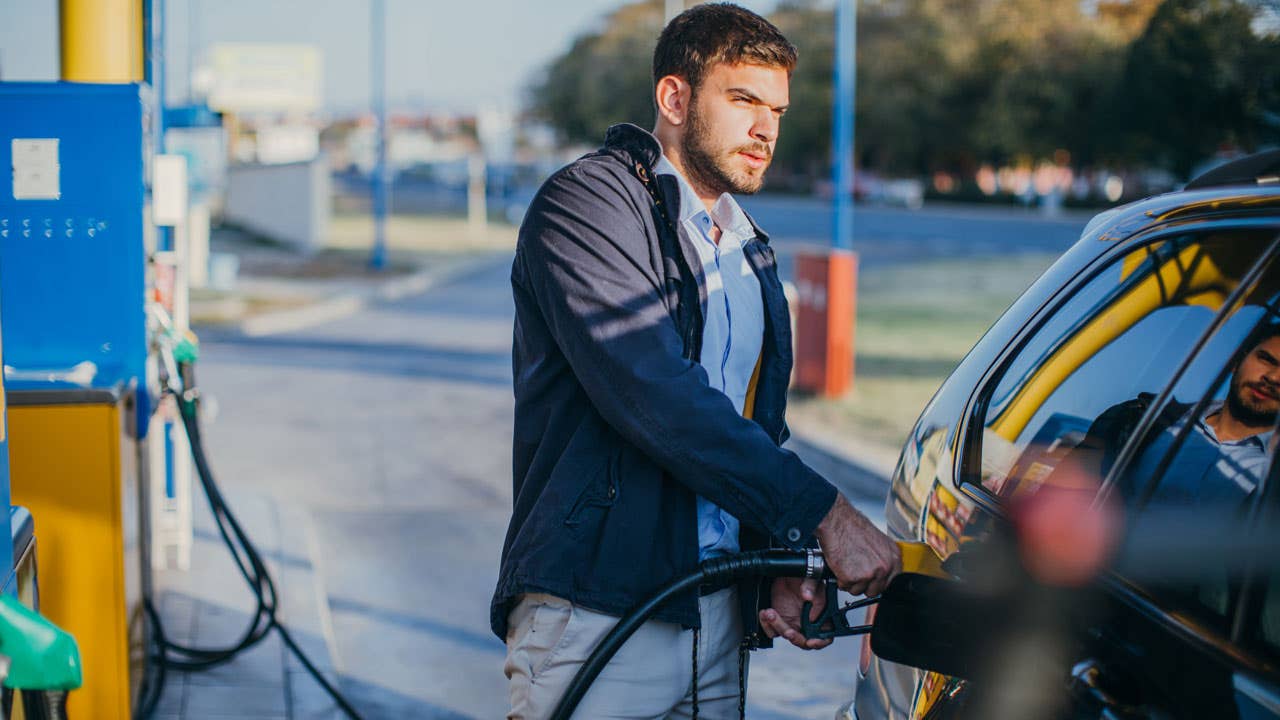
[613, 492]
[793, 535]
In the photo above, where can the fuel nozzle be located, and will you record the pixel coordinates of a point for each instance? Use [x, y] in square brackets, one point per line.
[40, 659]
[917, 558]
[186, 350]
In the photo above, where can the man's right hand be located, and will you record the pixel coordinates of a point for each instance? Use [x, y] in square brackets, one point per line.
[862, 558]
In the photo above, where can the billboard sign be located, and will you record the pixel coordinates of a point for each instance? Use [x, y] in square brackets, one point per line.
[255, 77]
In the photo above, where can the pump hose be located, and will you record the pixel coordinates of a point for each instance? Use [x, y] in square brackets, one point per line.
[249, 562]
[760, 563]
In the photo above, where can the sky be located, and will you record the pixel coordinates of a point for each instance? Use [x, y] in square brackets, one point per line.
[441, 54]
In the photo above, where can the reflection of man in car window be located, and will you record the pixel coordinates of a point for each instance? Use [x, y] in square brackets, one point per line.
[1222, 458]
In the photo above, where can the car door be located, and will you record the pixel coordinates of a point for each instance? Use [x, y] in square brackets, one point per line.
[1124, 329]
[1189, 626]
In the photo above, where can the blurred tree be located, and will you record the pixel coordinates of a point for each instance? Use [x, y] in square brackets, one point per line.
[604, 78]
[1126, 18]
[1043, 70]
[915, 101]
[1200, 77]
[952, 84]
[804, 143]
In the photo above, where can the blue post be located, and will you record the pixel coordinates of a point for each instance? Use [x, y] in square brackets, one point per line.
[378, 57]
[842, 125]
[153, 18]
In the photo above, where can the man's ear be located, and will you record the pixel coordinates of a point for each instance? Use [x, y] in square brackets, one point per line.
[673, 95]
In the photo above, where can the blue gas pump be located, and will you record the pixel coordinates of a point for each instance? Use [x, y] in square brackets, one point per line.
[17, 551]
[73, 322]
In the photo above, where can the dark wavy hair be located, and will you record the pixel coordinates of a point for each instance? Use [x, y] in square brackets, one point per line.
[1262, 332]
[713, 33]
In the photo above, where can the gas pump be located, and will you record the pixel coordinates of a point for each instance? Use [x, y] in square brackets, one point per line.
[35, 656]
[73, 278]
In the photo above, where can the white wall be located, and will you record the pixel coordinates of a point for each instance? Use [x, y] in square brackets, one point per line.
[290, 203]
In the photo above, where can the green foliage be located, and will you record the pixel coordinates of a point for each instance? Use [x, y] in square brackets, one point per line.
[951, 84]
[604, 78]
[804, 144]
[1197, 78]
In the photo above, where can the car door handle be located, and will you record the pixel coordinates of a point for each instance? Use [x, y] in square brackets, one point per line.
[1086, 686]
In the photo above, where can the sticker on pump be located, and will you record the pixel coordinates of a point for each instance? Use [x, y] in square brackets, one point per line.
[37, 174]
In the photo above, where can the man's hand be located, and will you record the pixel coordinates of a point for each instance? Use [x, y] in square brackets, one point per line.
[862, 558]
[783, 619]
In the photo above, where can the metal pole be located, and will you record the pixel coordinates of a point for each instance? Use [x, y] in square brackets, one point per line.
[378, 57]
[673, 8]
[101, 41]
[153, 21]
[842, 126]
[192, 12]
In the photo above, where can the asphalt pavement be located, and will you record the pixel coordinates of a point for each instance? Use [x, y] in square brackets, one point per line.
[371, 457]
[365, 440]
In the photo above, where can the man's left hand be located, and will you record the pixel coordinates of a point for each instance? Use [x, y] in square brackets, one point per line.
[783, 619]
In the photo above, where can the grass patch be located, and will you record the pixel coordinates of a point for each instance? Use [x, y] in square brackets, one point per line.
[420, 233]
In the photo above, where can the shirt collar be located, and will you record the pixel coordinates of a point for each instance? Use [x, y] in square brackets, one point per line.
[726, 212]
[1263, 439]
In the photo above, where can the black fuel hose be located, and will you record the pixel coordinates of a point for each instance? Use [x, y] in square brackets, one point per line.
[760, 563]
[172, 655]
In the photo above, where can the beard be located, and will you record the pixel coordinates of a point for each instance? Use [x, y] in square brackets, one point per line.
[709, 165]
[1245, 409]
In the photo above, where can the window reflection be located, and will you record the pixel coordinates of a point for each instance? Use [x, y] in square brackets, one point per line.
[1116, 343]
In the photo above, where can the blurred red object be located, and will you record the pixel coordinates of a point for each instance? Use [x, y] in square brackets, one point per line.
[1065, 536]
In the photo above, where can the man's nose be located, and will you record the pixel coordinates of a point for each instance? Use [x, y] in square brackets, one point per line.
[1271, 376]
[765, 128]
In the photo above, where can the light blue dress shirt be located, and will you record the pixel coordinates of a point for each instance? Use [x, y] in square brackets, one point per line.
[1207, 471]
[734, 324]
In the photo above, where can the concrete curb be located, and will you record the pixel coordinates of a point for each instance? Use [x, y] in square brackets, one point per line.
[348, 303]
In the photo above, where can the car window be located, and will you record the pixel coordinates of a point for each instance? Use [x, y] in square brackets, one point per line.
[1197, 469]
[1112, 346]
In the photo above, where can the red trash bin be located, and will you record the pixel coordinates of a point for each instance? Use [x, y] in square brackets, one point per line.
[826, 290]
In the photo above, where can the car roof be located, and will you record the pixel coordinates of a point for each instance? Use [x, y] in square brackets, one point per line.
[1186, 205]
[1248, 185]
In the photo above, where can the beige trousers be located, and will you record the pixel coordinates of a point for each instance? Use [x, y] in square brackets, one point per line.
[549, 639]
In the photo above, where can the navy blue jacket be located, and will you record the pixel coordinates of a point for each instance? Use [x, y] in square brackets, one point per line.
[616, 427]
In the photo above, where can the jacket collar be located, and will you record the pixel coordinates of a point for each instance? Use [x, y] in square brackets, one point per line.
[632, 139]
[642, 146]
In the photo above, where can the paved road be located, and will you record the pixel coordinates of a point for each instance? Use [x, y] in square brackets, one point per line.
[892, 236]
[883, 235]
[391, 430]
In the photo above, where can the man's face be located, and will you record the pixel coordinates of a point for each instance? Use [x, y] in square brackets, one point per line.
[733, 126]
[1254, 398]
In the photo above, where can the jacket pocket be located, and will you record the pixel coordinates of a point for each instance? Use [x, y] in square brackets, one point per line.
[600, 492]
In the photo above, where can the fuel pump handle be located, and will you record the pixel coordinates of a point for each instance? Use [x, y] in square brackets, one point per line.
[917, 557]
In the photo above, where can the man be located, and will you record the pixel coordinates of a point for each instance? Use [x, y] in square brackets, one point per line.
[1224, 455]
[651, 360]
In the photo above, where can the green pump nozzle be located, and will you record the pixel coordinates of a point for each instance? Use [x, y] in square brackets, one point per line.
[42, 655]
[186, 348]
